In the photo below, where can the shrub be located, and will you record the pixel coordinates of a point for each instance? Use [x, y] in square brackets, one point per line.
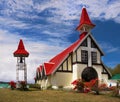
[12, 85]
[116, 92]
[23, 85]
[103, 87]
[60, 87]
[86, 87]
[49, 87]
[38, 86]
[79, 85]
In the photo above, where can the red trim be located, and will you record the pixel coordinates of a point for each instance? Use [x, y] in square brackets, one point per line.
[83, 35]
[48, 67]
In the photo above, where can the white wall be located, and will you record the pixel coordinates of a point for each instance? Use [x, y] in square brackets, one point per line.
[61, 79]
[77, 70]
[103, 78]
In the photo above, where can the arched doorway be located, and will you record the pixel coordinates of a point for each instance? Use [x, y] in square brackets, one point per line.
[89, 73]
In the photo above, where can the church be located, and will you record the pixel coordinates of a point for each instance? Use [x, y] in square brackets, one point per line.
[81, 60]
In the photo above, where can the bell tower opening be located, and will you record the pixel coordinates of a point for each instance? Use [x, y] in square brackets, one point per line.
[88, 74]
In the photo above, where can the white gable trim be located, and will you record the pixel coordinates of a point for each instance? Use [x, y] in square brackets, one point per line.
[106, 69]
[81, 41]
[97, 44]
[88, 34]
[60, 64]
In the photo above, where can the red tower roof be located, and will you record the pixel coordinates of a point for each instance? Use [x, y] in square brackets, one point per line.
[21, 52]
[84, 20]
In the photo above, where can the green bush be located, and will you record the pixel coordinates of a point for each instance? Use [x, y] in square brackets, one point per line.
[49, 87]
[35, 86]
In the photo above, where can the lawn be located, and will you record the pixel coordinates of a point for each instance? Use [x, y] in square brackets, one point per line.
[7, 95]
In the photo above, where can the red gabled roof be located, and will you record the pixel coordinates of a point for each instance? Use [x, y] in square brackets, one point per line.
[58, 59]
[48, 66]
[84, 20]
[21, 50]
[39, 69]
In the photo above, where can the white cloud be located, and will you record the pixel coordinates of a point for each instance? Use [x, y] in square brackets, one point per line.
[12, 23]
[39, 53]
[70, 9]
[109, 48]
[62, 11]
[51, 33]
[16, 12]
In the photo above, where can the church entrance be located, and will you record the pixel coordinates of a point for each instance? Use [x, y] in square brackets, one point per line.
[89, 73]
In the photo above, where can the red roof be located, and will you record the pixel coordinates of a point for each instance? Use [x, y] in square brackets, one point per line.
[39, 69]
[84, 20]
[54, 63]
[48, 66]
[21, 52]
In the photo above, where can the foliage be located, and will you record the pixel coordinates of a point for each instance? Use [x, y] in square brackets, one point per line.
[116, 92]
[60, 87]
[12, 85]
[79, 85]
[86, 87]
[23, 85]
[103, 87]
[117, 89]
[49, 87]
[37, 86]
[115, 70]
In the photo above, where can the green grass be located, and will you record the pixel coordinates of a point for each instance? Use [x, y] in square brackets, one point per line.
[34, 95]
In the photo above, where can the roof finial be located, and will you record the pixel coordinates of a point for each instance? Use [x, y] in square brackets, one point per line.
[85, 21]
[84, 6]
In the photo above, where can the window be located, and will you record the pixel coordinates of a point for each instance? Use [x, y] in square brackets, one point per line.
[93, 45]
[84, 43]
[66, 66]
[84, 56]
[94, 57]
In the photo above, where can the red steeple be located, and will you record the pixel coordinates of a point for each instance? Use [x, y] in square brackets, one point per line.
[21, 52]
[84, 20]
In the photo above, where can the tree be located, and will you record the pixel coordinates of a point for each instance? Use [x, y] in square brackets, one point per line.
[116, 70]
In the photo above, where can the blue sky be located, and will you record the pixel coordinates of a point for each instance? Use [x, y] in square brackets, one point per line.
[48, 26]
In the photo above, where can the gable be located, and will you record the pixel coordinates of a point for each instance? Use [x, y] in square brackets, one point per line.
[106, 71]
[61, 57]
[80, 55]
[94, 44]
[66, 66]
[84, 43]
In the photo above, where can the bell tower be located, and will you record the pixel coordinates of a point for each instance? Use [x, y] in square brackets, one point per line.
[21, 54]
[84, 28]
[85, 24]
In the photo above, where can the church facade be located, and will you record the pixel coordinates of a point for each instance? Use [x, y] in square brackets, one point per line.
[81, 60]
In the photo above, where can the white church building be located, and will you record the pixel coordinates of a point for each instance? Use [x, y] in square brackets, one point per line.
[81, 60]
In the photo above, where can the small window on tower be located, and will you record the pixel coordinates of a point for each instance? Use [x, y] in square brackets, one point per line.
[84, 43]
[84, 56]
[94, 57]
